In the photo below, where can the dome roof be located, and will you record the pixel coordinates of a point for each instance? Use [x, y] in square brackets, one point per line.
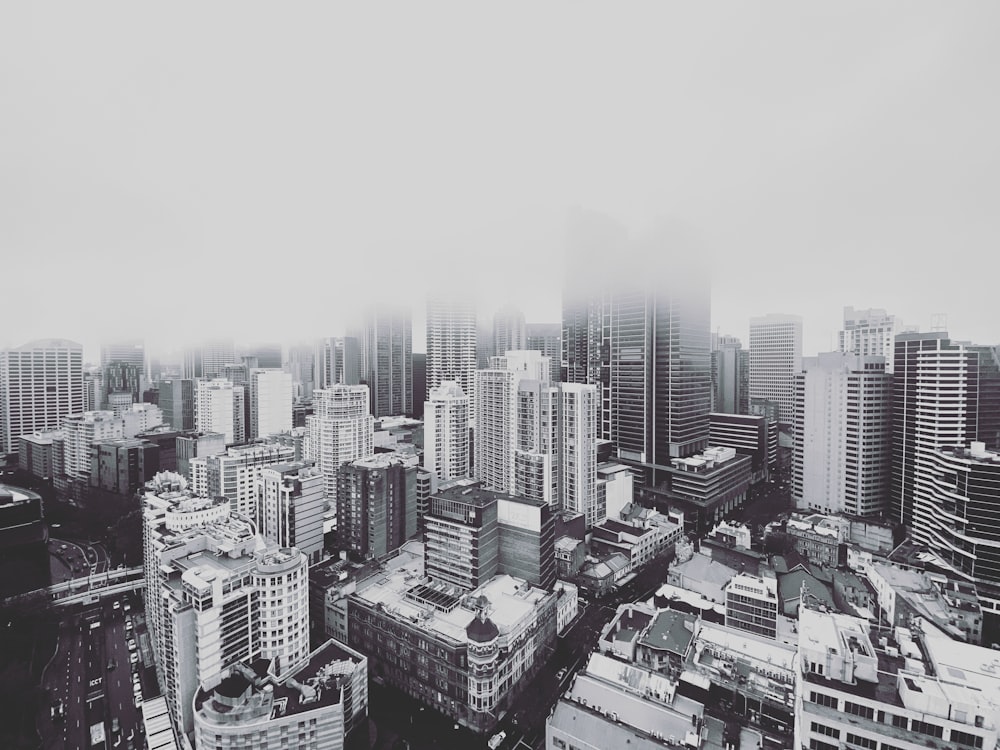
[482, 629]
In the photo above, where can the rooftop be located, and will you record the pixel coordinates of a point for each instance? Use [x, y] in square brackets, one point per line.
[670, 631]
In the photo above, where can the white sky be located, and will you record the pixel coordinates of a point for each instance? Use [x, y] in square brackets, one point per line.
[182, 170]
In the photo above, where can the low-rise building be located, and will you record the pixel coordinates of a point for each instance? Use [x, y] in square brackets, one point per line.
[315, 705]
[752, 604]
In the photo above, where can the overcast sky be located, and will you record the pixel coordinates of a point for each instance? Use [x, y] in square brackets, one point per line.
[182, 170]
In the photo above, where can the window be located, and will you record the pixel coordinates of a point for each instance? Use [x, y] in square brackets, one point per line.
[899, 721]
[822, 699]
[858, 710]
[863, 742]
[967, 739]
[556, 742]
[925, 727]
[823, 729]
[817, 745]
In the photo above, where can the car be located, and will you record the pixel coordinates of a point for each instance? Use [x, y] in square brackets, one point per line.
[128, 625]
[133, 658]
[114, 724]
[116, 604]
[496, 740]
[561, 673]
[127, 607]
[112, 664]
[136, 688]
[131, 644]
[138, 701]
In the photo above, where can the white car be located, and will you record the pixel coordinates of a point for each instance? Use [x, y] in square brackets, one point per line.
[496, 739]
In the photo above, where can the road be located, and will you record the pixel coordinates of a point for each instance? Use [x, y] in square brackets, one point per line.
[78, 675]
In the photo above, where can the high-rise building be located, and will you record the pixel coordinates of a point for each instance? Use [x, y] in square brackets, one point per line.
[386, 340]
[337, 362]
[730, 376]
[93, 390]
[290, 505]
[509, 331]
[935, 392]
[141, 418]
[267, 356]
[871, 332]
[461, 537]
[234, 474]
[130, 351]
[123, 377]
[842, 455]
[270, 402]
[176, 398]
[218, 407]
[217, 594]
[81, 432]
[496, 418]
[376, 504]
[123, 466]
[988, 423]
[301, 364]
[577, 469]
[191, 445]
[451, 344]
[118, 403]
[775, 360]
[41, 383]
[547, 339]
[207, 359]
[446, 431]
[340, 430]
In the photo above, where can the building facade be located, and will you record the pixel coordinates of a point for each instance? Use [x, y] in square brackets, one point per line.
[446, 431]
[234, 473]
[376, 504]
[775, 360]
[451, 344]
[270, 402]
[340, 430]
[290, 506]
[386, 340]
[871, 332]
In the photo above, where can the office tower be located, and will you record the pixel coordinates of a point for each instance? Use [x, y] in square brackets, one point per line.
[267, 356]
[337, 361]
[935, 390]
[81, 432]
[446, 431]
[451, 344]
[461, 538]
[485, 346]
[376, 504]
[871, 332]
[118, 403]
[270, 402]
[234, 473]
[41, 382]
[749, 435]
[842, 456]
[775, 360]
[496, 419]
[290, 505]
[123, 377]
[177, 402]
[301, 364]
[419, 384]
[218, 407]
[129, 351]
[93, 390]
[988, 423]
[196, 445]
[509, 331]
[206, 360]
[730, 376]
[386, 340]
[547, 339]
[594, 242]
[123, 466]
[660, 387]
[222, 596]
[318, 703]
[339, 431]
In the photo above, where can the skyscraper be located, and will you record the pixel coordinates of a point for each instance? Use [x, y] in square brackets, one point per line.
[177, 402]
[290, 504]
[218, 407]
[337, 361]
[775, 360]
[446, 431]
[268, 355]
[386, 340]
[376, 504]
[451, 344]
[509, 332]
[547, 339]
[340, 430]
[206, 360]
[935, 391]
[496, 418]
[41, 382]
[270, 402]
[131, 351]
[871, 332]
[842, 455]
[730, 376]
[82, 431]
[578, 452]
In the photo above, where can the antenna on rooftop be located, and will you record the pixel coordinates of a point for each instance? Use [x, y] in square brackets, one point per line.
[939, 322]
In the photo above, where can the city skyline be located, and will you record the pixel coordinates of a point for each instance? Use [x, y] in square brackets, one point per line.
[818, 162]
